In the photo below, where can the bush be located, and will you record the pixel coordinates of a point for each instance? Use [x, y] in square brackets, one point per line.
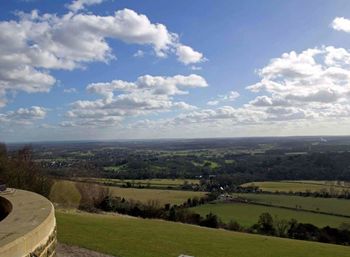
[234, 225]
[93, 196]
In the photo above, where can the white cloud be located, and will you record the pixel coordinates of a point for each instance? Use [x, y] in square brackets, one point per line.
[147, 95]
[193, 67]
[230, 97]
[70, 90]
[139, 53]
[201, 120]
[184, 106]
[187, 55]
[213, 102]
[314, 75]
[24, 116]
[35, 44]
[311, 86]
[341, 24]
[95, 122]
[314, 84]
[235, 115]
[77, 5]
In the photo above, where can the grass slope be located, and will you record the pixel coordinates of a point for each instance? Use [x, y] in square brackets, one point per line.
[65, 193]
[328, 205]
[163, 196]
[131, 237]
[248, 214]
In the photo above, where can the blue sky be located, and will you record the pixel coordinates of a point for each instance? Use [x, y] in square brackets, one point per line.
[65, 89]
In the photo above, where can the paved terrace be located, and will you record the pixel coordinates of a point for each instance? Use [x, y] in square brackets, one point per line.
[29, 229]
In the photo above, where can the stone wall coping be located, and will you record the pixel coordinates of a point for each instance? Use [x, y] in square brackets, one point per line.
[28, 225]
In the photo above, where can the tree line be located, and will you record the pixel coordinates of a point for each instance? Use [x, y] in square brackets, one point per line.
[20, 171]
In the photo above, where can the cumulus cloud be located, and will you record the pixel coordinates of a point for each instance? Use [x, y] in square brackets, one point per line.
[341, 24]
[187, 55]
[70, 90]
[313, 84]
[34, 44]
[77, 5]
[213, 102]
[204, 118]
[310, 86]
[314, 75]
[230, 97]
[23, 116]
[147, 95]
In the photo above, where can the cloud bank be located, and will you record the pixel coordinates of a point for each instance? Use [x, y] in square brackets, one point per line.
[147, 95]
[34, 44]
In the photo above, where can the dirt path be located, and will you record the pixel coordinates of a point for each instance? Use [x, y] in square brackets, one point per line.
[63, 250]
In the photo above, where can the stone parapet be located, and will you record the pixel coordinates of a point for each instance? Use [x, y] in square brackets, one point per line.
[29, 229]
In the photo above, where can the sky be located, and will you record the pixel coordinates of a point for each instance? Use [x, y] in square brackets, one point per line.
[116, 69]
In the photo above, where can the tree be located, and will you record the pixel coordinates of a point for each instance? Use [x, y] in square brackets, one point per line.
[211, 221]
[20, 171]
[265, 224]
[304, 231]
[3, 163]
[281, 226]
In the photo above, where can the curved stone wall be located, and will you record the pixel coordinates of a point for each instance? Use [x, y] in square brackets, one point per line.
[5, 207]
[29, 229]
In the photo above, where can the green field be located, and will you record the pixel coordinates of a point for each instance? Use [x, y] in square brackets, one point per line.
[65, 193]
[124, 236]
[163, 196]
[153, 183]
[248, 214]
[298, 186]
[327, 205]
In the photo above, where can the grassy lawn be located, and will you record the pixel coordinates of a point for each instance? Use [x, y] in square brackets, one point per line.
[329, 205]
[294, 186]
[65, 193]
[248, 214]
[132, 237]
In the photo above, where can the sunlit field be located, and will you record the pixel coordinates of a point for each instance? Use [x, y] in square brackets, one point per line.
[124, 236]
[65, 193]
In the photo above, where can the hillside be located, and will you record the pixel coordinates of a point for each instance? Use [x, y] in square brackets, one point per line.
[132, 237]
